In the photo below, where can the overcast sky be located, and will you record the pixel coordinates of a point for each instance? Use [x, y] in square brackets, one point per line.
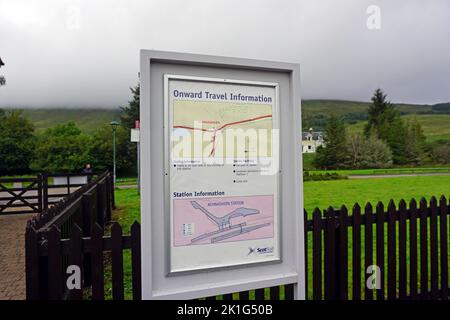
[86, 53]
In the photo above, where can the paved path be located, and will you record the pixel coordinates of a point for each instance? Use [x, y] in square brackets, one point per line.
[400, 175]
[12, 256]
[129, 186]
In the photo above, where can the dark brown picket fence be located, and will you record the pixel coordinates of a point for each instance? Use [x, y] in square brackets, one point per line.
[410, 246]
[87, 207]
[104, 252]
[48, 281]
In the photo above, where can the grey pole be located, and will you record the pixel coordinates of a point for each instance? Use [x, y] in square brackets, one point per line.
[138, 167]
[114, 155]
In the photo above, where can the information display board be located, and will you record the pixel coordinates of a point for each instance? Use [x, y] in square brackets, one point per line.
[223, 172]
[221, 183]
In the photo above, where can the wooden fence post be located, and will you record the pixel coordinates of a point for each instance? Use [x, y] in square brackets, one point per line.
[39, 192]
[260, 294]
[342, 254]
[368, 248]
[68, 184]
[54, 275]
[444, 247]
[392, 252]
[88, 213]
[305, 246]
[117, 262]
[317, 254]
[434, 257]
[76, 259]
[98, 290]
[413, 249]
[356, 256]
[331, 267]
[423, 249]
[101, 204]
[136, 260]
[380, 248]
[89, 219]
[45, 190]
[402, 265]
[31, 264]
[336, 254]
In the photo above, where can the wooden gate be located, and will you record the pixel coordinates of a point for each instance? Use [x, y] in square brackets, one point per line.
[21, 195]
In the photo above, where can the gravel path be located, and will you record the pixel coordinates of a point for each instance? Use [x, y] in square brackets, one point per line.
[12, 256]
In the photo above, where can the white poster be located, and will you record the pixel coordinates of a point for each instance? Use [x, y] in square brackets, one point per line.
[222, 168]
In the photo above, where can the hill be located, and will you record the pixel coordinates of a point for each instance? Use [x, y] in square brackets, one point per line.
[435, 119]
[88, 120]
[435, 127]
[343, 107]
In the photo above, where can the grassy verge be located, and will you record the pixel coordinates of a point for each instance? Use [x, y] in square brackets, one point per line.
[389, 171]
[128, 211]
[321, 194]
[126, 181]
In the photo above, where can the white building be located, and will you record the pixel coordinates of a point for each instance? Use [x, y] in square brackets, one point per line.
[311, 141]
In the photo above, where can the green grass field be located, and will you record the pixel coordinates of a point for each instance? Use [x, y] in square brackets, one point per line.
[321, 194]
[435, 127]
[388, 171]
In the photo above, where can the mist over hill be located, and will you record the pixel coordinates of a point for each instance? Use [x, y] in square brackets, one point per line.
[314, 115]
[88, 120]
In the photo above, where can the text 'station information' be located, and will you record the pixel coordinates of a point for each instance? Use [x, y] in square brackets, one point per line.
[222, 169]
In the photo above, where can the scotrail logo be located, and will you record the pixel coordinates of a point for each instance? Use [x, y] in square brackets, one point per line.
[258, 250]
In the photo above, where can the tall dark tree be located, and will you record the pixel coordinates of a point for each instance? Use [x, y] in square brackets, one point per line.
[16, 143]
[415, 142]
[130, 113]
[385, 122]
[334, 153]
[62, 148]
[380, 113]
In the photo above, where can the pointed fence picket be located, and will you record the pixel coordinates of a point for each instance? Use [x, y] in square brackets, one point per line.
[407, 244]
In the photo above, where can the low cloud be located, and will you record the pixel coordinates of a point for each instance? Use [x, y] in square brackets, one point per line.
[85, 53]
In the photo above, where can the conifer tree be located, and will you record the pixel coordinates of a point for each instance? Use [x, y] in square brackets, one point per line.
[333, 154]
[130, 113]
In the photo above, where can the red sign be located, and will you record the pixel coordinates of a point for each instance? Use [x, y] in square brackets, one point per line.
[137, 125]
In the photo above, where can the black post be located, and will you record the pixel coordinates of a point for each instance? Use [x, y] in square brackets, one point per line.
[108, 198]
[31, 264]
[45, 190]
[338, 253]
[113, 198]
[68, 184]
[101, 204]
[87, 205]
[39, 191]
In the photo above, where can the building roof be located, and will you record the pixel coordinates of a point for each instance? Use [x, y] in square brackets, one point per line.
[315, 135]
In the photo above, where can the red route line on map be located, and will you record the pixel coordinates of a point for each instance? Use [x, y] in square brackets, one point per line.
[222, 127]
